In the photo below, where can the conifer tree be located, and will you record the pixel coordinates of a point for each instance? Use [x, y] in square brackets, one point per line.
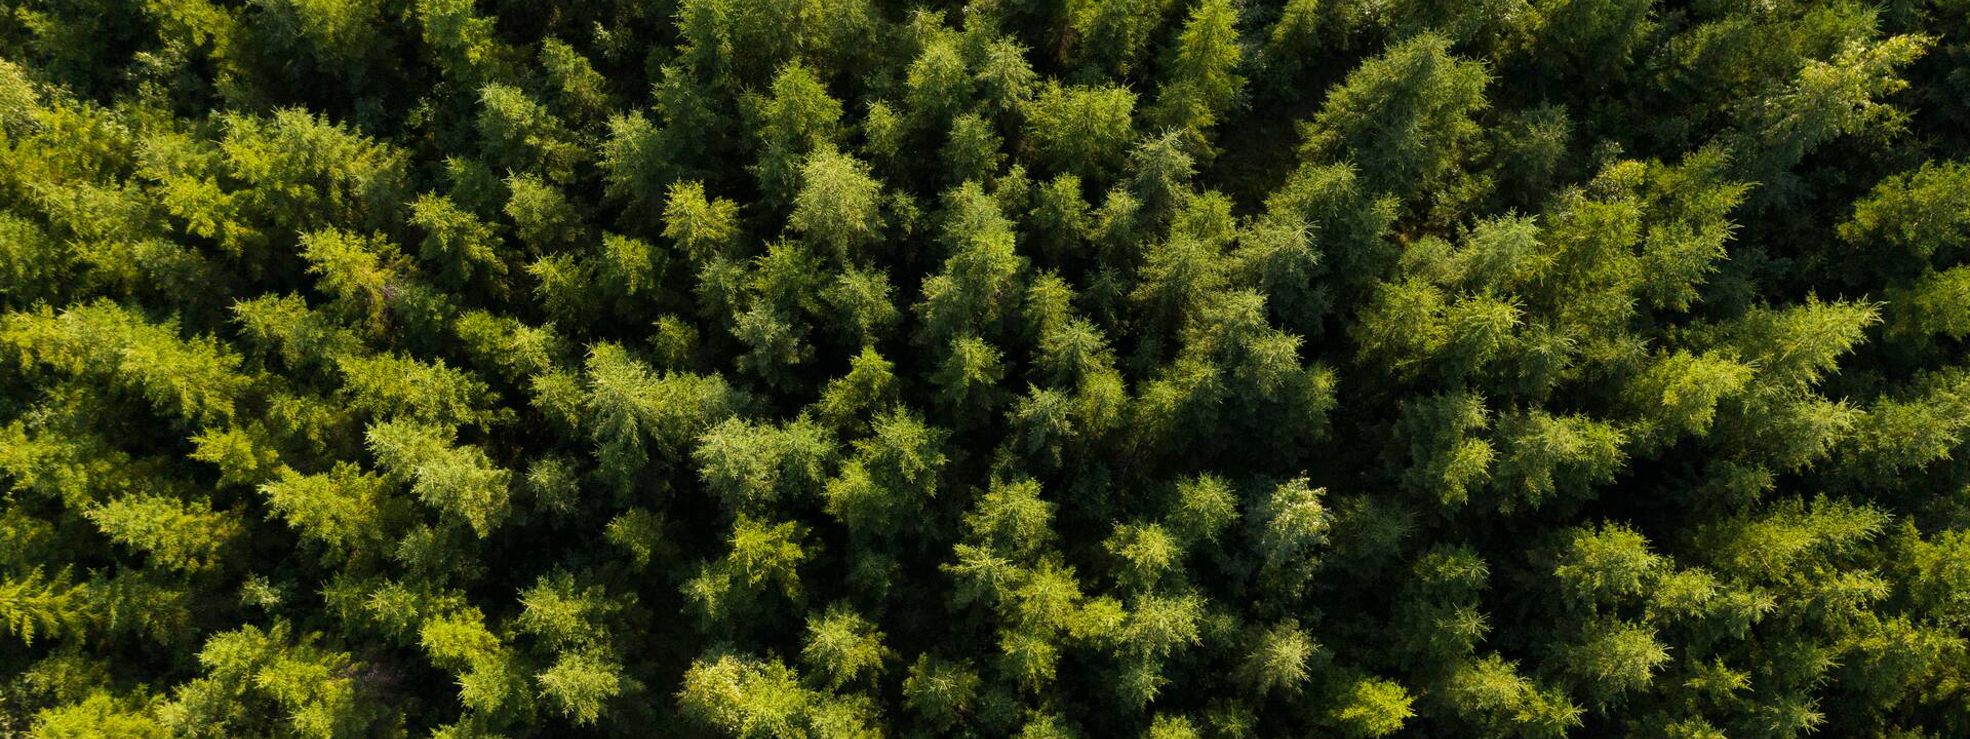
[1132, 368]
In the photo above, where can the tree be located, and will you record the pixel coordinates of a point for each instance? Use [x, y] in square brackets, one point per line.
[464, 42]
[1144, 553]
[197, 380]
[581, 685]
[1541, 456]
[1827, 99]
[1374, 707]
[838, 204]
[342, 508]
[703, 227]
[490, 681]
[763, 558]
[297, 172]
[573, 621]
[1403, 118]
[977, 287]
[1681, 390]
[892, 475]
[40, 606]
[1292, 524]
[1921, 212]
[522, 136]
[1446, 458]
[742, 42]
[751, 468]
[973, 149]
[745, 697]
[631, 409]
[936, 84]
[844, 646]
[1520, 368]
[797, 121]
[861, 306]
[1492, 693]
[1082, 131]
[868, 390]
[970, 376]
[279, 674]
[100, 713]
[456, 242]
[542, 216]
[1608, 565]
[1615, 657]
[580, 90]
[1113, 33]
[939, 691]
[174, 534]
[509, 348]
[1280, 658]
[1203, 82]
[458, 480]
[361, 273]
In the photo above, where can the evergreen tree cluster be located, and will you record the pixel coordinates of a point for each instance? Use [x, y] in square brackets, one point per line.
[1179, 369]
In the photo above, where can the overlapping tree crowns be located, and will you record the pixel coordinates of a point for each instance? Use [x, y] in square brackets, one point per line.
[1105, 368]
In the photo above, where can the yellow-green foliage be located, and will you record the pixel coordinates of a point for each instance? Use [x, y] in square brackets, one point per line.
[819, 369]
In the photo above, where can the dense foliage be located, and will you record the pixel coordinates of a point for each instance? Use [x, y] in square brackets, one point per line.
[854, 368]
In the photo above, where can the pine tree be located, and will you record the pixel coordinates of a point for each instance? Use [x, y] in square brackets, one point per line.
[1525, 368]
[1403, 118]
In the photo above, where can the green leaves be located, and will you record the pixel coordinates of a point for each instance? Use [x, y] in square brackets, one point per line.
[940, 691]
[174, 535]
[1681, 390]
[703, 227]
[399, 386]
[298, 172]
[197, 380]
[1920, 212]
[1829, 98]
[762, 557]
[1280, 658]
[456, 479]
[38, 606]
[1081, 130]
[1607, 565]
[1203, 81]
[1113, 34]
[838, 203]
[361, 272]
[581, 686]
[844, 646]
[1542, 456]
[1292, 525]
[1492, 694]
[827, 368]
[254, 675]
[456, 241]
[798, 119]
[1616, 657]
[520, 135]
[755, 469]
[633, 409]
[1798, 345]
[1446, 458]
[1374, 707]
[744, 697]
[342, 508]
[891, 477]
[1403, 118]
[572, 620]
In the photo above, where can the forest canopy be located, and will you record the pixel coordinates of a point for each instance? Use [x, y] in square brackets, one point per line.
[1177, 369]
